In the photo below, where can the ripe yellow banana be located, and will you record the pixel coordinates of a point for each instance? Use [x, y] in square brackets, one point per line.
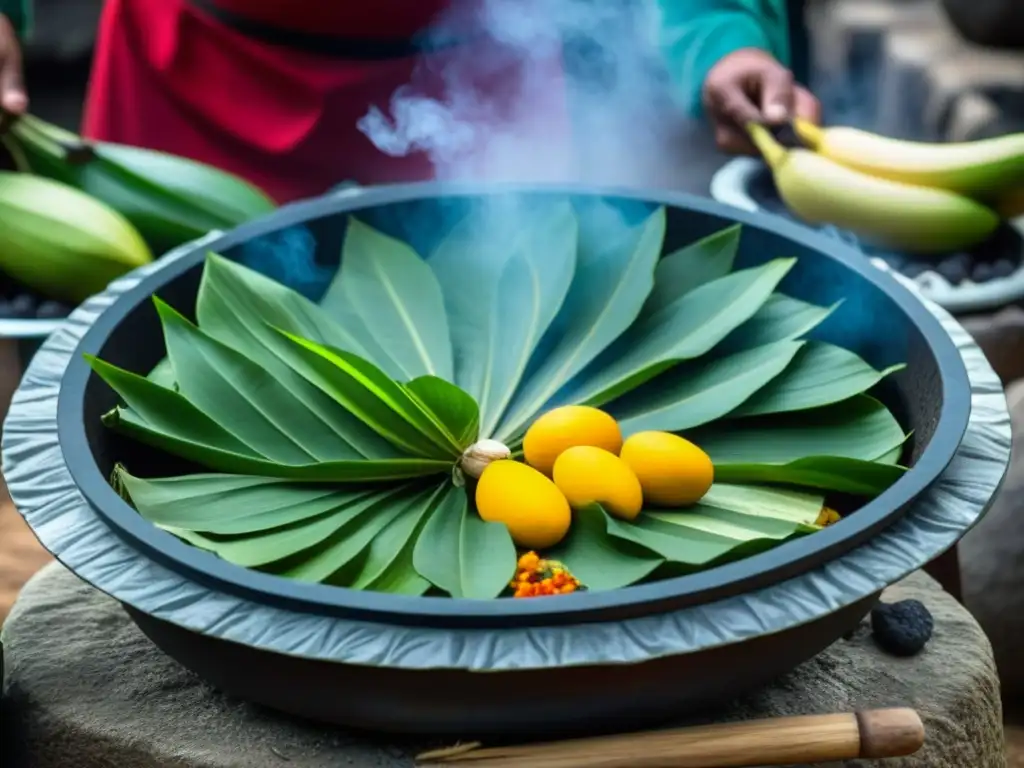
[62, 242]
[887, 213]
[983, 170]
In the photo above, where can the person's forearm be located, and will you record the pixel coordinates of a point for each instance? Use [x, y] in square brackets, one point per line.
[696, 34]
[19, 13]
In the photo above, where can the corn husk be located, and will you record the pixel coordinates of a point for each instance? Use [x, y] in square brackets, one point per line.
[60, 241]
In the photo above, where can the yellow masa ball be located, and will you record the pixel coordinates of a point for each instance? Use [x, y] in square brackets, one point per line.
[673, 472]
[566, 427]
[535, 512]
[588, 475]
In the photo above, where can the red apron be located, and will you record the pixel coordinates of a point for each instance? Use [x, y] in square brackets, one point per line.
[167, 76]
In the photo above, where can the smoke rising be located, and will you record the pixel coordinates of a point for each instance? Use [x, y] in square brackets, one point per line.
[553, 90]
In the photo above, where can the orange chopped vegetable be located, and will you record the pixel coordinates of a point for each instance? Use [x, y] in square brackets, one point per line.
[537, 577]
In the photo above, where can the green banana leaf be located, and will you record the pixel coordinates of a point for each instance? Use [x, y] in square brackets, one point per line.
[500, 306]
[686, 329]
[613, 277]
[170, 200]
[315, 532]
[329, 433]
[703, 391]
[691, 267]
[892, 456]
[128, 422]
[460, 553]
[388, 565]
[163, 374]
[217, 380]
[245, 310]
[835, 448]
[827, 473]
[781, 318]
[385, 286]
[858, 428]
[353, 446]
[820, 374]
[266, 547]
[382, 404]
[729, 523]
[599, 560]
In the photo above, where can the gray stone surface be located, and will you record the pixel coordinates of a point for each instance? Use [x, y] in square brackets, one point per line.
[967, 69]
[92, 692]
[906, 96]
[844, 30]
[913, 74]
[992, 563]
[971, 117]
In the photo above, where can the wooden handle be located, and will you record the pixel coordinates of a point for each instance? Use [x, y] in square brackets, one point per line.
[779, 741]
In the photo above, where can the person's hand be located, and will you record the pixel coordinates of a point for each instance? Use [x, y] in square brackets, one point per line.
[12, 87]
[751, 86]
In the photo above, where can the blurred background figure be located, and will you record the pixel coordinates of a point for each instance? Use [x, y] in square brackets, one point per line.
[276, 91]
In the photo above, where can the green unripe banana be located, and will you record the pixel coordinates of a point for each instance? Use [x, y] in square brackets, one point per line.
[983, 170]
[170, 200]
[62, 242]
[887, 213]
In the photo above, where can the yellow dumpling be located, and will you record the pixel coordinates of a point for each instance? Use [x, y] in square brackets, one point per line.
[535, 512]
[673, 472]
[566, 427]
[588, 475]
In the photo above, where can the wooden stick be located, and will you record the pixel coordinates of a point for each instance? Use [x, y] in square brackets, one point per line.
[779, 741]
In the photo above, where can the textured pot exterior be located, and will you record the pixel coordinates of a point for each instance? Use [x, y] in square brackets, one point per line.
[543, 703]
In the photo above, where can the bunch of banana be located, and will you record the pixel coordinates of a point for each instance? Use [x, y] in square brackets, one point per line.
[61, 242]
[913, 197]
[169, 199]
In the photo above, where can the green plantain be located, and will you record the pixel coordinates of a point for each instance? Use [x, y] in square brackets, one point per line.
[169, 199]
[60, 241]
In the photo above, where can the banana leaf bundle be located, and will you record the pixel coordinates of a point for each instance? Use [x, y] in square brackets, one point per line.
[326, 436]
[170, 200]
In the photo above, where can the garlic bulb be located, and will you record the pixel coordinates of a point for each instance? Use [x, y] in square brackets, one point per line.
[476, 458]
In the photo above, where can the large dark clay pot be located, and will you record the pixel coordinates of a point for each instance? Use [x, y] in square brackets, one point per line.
[582, 661]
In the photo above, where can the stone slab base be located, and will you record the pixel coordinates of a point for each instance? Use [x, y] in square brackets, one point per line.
[89, 690]
[992, 562]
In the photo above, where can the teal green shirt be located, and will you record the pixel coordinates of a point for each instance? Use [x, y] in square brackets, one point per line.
[695, 34]
[19, 12]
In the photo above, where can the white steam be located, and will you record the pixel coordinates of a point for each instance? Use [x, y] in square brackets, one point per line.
[608, 118]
